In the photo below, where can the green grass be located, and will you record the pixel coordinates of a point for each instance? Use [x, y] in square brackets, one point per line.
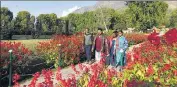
[30, 44]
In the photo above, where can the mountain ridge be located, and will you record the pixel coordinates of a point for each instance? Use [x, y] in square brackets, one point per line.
[116, 5]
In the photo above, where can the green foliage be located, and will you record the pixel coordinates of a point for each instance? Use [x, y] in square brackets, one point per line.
[6, 23]
[22, 22]
[48, 23]
[146, 14]
[120, 20]
[104, 15]
[92, 19]
[173, 18]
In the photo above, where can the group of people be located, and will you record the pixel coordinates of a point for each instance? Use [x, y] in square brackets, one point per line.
[114, 48]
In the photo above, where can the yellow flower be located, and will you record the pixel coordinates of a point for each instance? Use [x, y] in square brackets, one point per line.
[140, 73]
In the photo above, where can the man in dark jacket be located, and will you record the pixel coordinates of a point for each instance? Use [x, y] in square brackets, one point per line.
[100, 45]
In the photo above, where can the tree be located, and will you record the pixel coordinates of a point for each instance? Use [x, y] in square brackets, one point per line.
[23, 22]
[53, 20]
[43, 23]
[119, 20]
[32, 26]
[91, 20]
[173, 19]
[60, 24]
[145, 14]
[104, 16]
[6, 26]
[32, 22]
[76, 22]
[48, 24]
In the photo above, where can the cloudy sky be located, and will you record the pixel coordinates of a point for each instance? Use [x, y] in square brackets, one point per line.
[61, 8]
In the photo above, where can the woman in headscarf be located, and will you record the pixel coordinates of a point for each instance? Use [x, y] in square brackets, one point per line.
[121, 47]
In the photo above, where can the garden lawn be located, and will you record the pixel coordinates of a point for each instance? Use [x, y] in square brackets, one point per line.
[30, 44]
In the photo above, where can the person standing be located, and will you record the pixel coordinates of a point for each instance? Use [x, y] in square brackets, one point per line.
[88, 45]
[121, 46]
[112, 48]
[100, 45]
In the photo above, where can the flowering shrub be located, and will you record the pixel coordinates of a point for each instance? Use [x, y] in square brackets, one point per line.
[34, 80]
[154, 38]
[61, 47]
[153, 65]
[156, 64]
[97, 75]
[18, 50]
[135, 38]
[149, 53]
[16, 77]
[171, 36]
[19, 55]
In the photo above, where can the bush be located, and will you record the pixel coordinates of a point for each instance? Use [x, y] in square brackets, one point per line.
[61, 48]
[135, 38]
[20, 56]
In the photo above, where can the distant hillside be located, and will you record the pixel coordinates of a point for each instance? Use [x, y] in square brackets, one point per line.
[108, 4]
[116, 5]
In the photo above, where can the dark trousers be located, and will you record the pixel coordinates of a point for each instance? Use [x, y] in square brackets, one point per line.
[88, 52]
[110, 60]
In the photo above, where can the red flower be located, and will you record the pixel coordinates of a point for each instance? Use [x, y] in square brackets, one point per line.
[150, 70]
[154, 38]
[74, 68]
[175, 72]
[171, 36]
[125, 83]
[80, 66]
[136, 56]
[166, 67]
[34, 80]
[58, 74]
[86, 69]
[16, 77]
[101, 84]
[64, 83]
[48, 78]
[129, 65]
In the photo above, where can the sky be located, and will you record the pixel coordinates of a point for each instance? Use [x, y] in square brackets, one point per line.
[61, 8]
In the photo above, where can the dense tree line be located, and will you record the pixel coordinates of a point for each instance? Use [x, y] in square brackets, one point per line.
[141, 15]
[26, 24]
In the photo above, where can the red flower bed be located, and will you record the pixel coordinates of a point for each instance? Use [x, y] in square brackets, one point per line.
[171, 36]
[67, 47]
[150, 70]
[19, 55]
[149, 52]
[154, 38]
[18, 50]
[136, 38]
